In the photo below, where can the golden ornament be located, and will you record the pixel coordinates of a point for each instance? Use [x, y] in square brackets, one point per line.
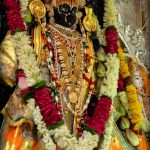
[37, 9]
[73, 97]
[89, 21]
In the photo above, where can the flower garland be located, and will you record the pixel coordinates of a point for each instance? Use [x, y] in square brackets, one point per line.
[109, 87]
[112, 63]
[101, 120]
[100, 33]
[138, 83]
[27, 62]
[15, 22]
[26, 55]
[41, 126]
[109, 83]
[124, 100]
[24, 6]
[122, 95]
[110, 14]
[100, 116]
[108, 90]
[134, 104]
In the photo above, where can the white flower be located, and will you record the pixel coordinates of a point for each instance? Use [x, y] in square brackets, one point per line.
[110, 82]
[41, 125]
[24, 5]
[110, 15]
[107, 134]
[26, 57]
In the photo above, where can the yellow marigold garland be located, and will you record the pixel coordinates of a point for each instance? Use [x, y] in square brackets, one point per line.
[124, 70]
[134, 104]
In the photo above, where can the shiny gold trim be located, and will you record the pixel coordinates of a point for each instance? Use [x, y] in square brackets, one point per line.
[37, 9]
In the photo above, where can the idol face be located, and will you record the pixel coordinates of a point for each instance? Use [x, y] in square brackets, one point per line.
[65, 15]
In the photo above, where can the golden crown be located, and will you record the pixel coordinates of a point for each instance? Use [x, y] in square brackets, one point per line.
[78, 3]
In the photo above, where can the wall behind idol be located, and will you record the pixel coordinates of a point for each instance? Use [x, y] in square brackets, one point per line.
[146, 10]
[134, 27]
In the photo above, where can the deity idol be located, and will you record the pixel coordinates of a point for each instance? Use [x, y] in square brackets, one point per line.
[66, 60]
[65, 93]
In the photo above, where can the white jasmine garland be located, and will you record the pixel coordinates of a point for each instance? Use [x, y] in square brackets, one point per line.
[100, 33]
[90, 141]
[65, 141]
[110, 82]
[107, 134]
[26, 57]
[110, 15]
[41, 126]
[109, 88]
[23, 6]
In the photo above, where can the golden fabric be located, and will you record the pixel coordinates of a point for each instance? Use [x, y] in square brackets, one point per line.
[16, 112]
[8, 62]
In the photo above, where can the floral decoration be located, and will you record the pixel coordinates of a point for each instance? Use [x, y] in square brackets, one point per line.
[100, 115]
[15, 22]
[41, 126]
[131, 92]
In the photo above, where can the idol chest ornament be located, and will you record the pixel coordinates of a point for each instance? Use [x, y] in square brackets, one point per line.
[69, 50]
[71, 56]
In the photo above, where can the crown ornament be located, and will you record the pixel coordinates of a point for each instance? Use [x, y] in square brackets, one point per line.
[77, 3]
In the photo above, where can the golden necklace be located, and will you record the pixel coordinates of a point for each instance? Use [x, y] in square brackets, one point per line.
[71, 58]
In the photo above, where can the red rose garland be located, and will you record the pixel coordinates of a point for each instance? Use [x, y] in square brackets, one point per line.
[47, 107]
[15, 22]
[44, 101]
[102, 111]
[111, 38]
[100, 115]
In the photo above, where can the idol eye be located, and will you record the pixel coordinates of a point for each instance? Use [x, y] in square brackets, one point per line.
[74, 10]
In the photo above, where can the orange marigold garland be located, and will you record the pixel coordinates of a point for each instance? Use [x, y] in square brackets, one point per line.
[134, 104]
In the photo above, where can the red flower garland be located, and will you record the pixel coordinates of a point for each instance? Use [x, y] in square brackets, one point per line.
[121, 86]
[102, 111]
[100, 115]
[15, 22]
[47, 107]
[44, 101]
[111, 38]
